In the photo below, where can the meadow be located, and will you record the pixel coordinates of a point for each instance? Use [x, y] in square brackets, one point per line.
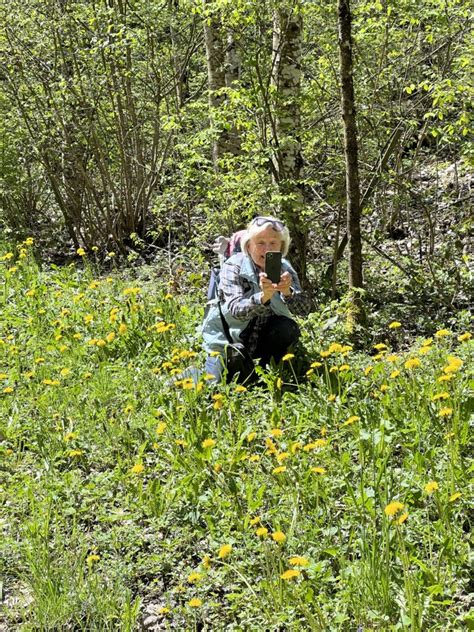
[133, 498]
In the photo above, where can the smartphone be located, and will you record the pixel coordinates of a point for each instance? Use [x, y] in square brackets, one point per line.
[273, 266]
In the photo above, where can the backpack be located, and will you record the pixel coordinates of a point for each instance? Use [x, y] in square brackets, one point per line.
[225, 248]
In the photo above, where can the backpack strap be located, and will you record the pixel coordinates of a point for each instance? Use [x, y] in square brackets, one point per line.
[225, 325]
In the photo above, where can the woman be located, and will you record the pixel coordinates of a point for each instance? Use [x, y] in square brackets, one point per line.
[257, 311]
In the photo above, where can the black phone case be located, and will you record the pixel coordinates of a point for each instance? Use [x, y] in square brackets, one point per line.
[273, 266]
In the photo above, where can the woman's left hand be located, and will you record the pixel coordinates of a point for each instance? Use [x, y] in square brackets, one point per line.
[284, 286]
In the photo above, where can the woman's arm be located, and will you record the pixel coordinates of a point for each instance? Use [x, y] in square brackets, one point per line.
[232, 290]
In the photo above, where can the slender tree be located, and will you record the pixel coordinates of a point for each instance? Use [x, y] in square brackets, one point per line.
[351, 158]
[288, 161]
[223, 69]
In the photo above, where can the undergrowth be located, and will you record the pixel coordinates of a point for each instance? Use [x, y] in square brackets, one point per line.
[133, 496]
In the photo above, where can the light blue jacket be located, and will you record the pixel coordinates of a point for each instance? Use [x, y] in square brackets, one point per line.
[212, 330]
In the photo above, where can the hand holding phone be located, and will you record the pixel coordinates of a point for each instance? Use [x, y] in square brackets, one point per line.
[273, 266]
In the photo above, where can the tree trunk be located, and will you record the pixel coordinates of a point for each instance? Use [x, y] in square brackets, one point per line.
[288, 162]
[215, 57]
[351, 158]
[232, 76]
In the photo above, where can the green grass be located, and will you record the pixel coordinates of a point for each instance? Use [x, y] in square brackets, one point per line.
[122, 481]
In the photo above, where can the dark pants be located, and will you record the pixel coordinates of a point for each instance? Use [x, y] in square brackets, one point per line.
[278, 333]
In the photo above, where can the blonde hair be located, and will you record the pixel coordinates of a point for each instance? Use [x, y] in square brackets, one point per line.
[254, 229]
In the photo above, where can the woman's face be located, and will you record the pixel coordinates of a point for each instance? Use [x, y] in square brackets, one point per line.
[266, 240]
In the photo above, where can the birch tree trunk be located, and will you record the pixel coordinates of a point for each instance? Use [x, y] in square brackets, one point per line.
[223, 70]
[351, 159]
[288, 162]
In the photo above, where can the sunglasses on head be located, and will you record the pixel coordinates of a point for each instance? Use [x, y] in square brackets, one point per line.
[260, 221]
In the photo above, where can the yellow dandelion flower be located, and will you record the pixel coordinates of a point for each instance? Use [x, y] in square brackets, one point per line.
[282, 456]
[315, 365]
[73, 453]
[279, 470]
[344, 367]
[8, 390]
[335, 347]
[240, 389]
[81, 252]
[195, 602]
[279, 537]
[402, 518]
[161, 428]
[466, 336]
[287, 357]
[324, 354]
[207, 377]
[392, 358]
[445, 412]
[262, 532]
[442, 333]
[454, 497]
[255, 520]
[384, 387]
[445, 378]
[253, 458]
[395, 325]
[271, 447]
[92, 558]
[181, 443]
[380, 346]
[224, 551]
[318, 470]
[454, 364]
[208, 443]
[250, 437]
[431, 487]
[206, 562]
[164, 610]
[291, 573]
[331, 398]
[437, 396]
[393, 508]
[138, 468]
[65, 372]
[295, 447]
[351, 420]
[193, 578]
[412, 363]
[368, 369]
[298, 560]
[218, 467]
[394, 374]
[276, 432]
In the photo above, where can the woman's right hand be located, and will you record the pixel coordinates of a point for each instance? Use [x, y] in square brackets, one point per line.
[268, 288]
